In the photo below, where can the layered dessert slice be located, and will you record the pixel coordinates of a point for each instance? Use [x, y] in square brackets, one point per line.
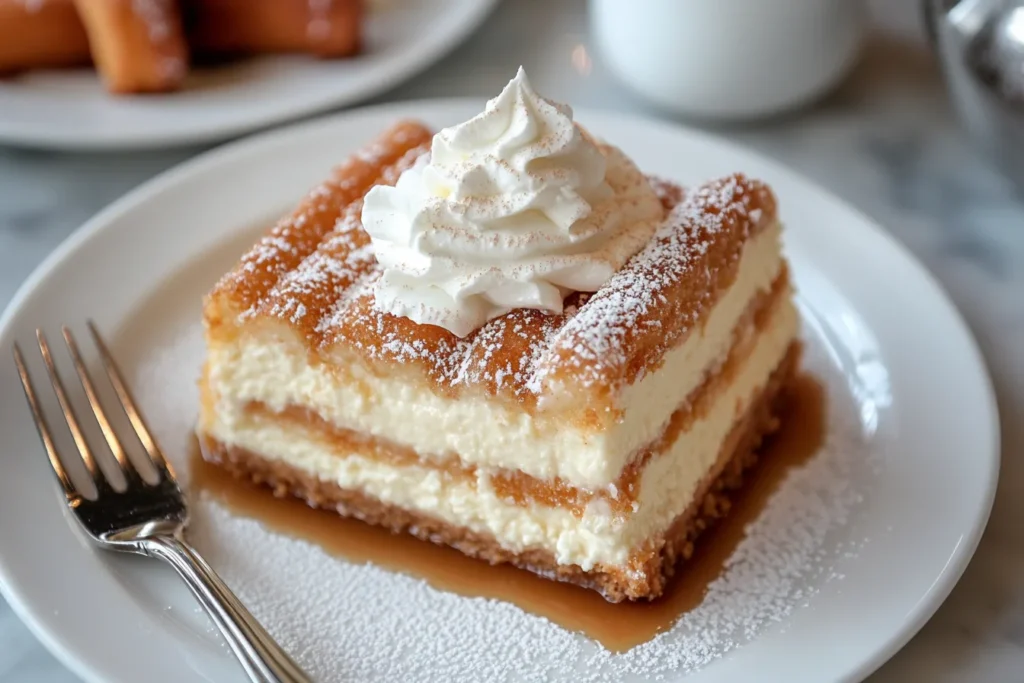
[507, 339]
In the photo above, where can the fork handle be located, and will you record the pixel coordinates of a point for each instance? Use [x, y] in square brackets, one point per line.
[261, 657]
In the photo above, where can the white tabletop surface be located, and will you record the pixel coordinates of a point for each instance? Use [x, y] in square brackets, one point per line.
[886, 141]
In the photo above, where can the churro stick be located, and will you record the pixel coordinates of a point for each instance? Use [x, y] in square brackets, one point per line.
[138, 45]
[40, 33]
[297, 235]
[325, 28]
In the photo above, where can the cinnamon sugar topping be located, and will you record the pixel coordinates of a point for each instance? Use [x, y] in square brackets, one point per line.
[316, 269]
[651, 303]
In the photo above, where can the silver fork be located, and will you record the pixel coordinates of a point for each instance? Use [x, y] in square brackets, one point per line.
[144, 518]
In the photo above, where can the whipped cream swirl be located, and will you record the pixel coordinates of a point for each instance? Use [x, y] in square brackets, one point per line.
[515, 208]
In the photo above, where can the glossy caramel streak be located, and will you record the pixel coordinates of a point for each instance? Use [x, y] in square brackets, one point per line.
[299, 234]
[524, 489]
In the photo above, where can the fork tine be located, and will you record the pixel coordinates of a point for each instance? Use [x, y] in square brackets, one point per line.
[127, 468]
[98, 478]
[130, 409]
[43, 427]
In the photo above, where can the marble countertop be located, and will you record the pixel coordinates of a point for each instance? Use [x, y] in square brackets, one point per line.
[886, 141]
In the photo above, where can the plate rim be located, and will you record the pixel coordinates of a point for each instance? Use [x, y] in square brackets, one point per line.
[923, 610]
[431, 51]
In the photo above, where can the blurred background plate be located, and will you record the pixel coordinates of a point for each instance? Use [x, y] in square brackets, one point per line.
[70, 110]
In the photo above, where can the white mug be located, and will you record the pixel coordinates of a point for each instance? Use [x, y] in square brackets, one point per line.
[729, 59]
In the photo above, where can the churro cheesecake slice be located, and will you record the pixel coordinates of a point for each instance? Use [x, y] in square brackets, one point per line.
[506, 338]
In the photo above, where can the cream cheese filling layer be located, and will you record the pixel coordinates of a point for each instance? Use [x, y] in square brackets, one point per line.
[598, 537]
[488, 433]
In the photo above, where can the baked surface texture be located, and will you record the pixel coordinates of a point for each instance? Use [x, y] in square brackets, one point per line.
[664, 553]
[591, 446]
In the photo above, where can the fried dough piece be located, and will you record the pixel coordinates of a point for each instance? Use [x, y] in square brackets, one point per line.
[137, 45]
[324, 28]
[39, 34]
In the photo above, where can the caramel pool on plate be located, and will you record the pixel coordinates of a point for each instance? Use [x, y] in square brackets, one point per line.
[617, 626]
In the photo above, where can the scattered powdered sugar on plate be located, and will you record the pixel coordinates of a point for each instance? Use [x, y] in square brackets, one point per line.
[347, 621]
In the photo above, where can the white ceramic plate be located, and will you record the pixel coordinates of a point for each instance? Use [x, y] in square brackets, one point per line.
[850, 558]
[70, 110]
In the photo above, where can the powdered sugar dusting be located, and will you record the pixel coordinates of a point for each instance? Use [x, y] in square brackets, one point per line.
[359, 622]
[325, 279]
[595, 346]
[319, 26]
[157, 15]
[296, 236]
[599, 344]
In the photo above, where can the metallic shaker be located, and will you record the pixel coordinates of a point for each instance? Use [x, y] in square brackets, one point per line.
[980, 46]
